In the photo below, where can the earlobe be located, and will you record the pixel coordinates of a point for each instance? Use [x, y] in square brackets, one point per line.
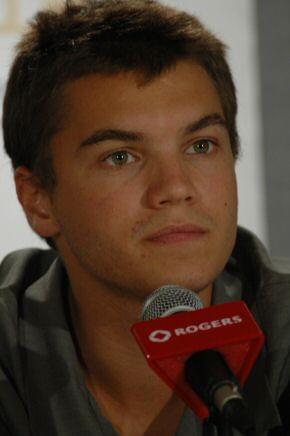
[36, 203]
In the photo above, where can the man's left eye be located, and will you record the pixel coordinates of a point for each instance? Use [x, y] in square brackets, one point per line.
[202, 146]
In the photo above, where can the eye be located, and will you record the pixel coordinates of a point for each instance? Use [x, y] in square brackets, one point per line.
[119, 158]
[202, 146]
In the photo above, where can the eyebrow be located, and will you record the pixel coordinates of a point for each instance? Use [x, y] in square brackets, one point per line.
[101, 135]
[202, 123]
[111, 134]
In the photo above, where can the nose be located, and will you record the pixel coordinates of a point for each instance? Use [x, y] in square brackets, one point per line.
[171, 183]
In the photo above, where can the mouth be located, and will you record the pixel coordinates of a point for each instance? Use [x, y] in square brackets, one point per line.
[178, 233]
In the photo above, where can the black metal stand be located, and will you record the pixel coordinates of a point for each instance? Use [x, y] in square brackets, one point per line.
[219, 424]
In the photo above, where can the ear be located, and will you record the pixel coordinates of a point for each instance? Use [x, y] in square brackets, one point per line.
[36, 203]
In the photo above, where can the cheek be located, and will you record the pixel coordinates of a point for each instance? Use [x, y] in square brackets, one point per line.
[231, 199]
[224, 212]
[229, 214]
[100, 208]
[221, 187]
[232, 192]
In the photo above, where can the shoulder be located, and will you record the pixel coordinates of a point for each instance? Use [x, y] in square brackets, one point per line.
[281, 265]
[263, 270]
[21, 268]
[18, 271]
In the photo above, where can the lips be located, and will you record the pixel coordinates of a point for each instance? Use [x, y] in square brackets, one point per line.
[177, 233]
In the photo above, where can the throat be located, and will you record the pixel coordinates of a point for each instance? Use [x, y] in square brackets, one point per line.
[139, 413]
[128, 392]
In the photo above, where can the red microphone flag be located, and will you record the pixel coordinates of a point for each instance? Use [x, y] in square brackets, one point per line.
[169, 341]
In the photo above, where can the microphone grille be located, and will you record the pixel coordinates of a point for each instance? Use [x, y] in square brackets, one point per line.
[170, 299]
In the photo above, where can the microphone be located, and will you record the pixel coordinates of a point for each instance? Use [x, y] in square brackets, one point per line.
[204, 354]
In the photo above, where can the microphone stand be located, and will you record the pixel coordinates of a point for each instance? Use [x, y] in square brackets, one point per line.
[223, 427]
[211, 378]
[235, 415]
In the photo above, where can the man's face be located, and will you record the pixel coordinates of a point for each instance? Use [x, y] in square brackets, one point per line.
[146, 192]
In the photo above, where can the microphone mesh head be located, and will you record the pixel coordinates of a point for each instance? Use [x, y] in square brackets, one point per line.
[170, 299]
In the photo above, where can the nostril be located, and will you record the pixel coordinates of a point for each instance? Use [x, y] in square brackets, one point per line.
[164, 202]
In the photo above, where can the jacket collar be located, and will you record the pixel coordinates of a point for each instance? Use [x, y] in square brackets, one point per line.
[263, 291]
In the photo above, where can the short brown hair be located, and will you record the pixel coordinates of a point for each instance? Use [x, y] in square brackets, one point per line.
[106, 36]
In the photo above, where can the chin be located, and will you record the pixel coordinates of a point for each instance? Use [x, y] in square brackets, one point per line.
[194, 284]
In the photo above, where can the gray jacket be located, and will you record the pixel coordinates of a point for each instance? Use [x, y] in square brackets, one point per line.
[42, 389]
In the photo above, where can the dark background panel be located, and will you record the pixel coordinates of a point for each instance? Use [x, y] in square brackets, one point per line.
[273, 23]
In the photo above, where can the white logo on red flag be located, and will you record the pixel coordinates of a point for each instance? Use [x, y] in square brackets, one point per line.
[160, 336]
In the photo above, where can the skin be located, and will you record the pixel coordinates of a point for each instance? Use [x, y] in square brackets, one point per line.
[102, 214]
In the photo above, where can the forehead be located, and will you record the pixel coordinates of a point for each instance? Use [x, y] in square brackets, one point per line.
[122, 100]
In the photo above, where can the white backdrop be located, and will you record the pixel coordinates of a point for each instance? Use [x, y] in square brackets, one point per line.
[234, 22]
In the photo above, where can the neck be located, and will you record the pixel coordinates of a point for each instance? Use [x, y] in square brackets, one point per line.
[130, 394]
[103, 326]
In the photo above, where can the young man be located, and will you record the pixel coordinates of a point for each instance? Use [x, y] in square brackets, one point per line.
[120, 121]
